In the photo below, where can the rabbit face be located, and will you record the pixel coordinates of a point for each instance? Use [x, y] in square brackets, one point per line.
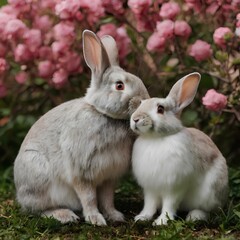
[159, 116]
[117, 89]
[155, 117]
[112, 88]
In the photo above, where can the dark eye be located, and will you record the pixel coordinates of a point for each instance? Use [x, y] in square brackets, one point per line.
[119, 85]
[160, 109]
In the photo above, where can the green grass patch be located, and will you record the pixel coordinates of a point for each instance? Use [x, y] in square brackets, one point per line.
[14, 224]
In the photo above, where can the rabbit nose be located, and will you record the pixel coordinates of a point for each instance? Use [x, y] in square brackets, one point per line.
[136, 120]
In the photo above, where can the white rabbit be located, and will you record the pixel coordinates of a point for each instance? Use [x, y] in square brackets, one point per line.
[73, 155]
[177, 167]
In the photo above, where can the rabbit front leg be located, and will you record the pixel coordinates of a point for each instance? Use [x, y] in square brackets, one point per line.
[106, 202]
[170, 205]
[151, 202]
[87, 194]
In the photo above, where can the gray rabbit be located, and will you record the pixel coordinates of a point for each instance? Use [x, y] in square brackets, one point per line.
[73, 155]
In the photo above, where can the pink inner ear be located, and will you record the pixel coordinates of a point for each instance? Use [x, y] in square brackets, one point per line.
[189, 88]
[93, 52]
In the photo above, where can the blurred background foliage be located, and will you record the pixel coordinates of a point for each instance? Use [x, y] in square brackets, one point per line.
[159, 69]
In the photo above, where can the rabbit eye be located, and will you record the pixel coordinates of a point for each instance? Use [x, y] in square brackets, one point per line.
[119, 85]
[160, 109]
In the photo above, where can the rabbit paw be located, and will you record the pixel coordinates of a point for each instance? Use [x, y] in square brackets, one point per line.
[196, 214]
[115, 216]
[161, 220]
[96, 219]
[142, 217]
[62, 215]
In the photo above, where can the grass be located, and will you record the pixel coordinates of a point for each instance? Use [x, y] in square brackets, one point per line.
[224, 225]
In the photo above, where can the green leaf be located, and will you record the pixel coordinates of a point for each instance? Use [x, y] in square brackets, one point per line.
[221, 56]
[189, 117]
[3, 2]
[237, 213]
[236, 61]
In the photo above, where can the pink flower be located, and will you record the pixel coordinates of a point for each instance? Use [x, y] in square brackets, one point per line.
[156, 43]
[214, 101]
[107, 29]
[60, 78]
[3, 91]
[13, 11]
[137, 6]
[182, 29]
[123, 41]
[169, 10]
[220, 36]
[45, 69]
[59, 49]
[212, 8]
[33, 39]
[21, 77]
[48, 37]
[200, 50]
[43, 23]
[113, 6]
[70, 62]
[4, 19]
[165, 28]
[22, 6]
[64, 32]
[145, 23]
[17, 3]
[22, 53]
[45, 52]
[47, 4]
[145, 14]
[15, 28]
[94, 10]
[235, 4]
[3, 65]
[195, 4]
[3, 50]
[66, 9]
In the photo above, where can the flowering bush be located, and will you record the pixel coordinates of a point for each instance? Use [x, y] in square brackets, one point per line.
[41, 60]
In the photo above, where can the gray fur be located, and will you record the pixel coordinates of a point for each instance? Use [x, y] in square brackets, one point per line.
[79, 149]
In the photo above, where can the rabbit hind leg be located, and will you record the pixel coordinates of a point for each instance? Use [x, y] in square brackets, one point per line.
[197, 214]
[63, 215]
[31, 177]
[39, 192]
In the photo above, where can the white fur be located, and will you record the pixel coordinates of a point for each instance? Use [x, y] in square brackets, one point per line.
[177, 167]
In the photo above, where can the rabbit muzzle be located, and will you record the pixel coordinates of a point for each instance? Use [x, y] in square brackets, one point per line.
[141, 123]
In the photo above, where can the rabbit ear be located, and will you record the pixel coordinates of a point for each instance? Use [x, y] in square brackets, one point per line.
[111, 47]
[184, 90]
[95, 54]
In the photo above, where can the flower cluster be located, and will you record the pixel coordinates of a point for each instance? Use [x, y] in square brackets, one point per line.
[42, 38]
[169, 22]
[41, 59]
[171, 26]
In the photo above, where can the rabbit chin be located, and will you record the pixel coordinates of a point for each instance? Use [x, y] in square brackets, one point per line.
[123, 116]
[141, 130]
